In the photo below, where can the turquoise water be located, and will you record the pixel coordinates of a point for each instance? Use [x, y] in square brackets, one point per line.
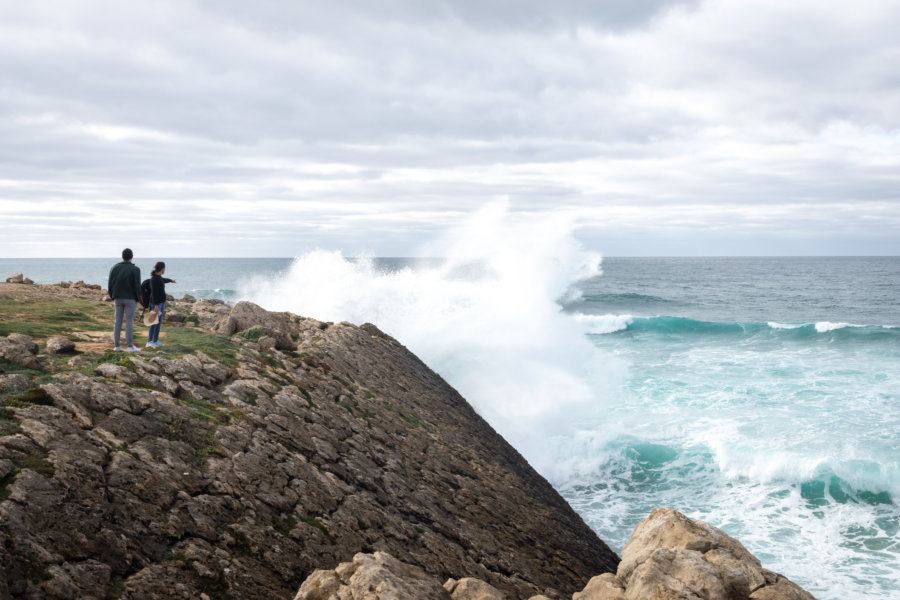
[758, 394]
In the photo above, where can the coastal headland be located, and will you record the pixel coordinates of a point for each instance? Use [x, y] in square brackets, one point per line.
[271, 455]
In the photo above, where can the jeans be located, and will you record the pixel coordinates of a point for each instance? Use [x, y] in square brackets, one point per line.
[153, 334]
[125, 309]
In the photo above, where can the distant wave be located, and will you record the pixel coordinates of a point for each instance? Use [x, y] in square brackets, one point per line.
[611, 324]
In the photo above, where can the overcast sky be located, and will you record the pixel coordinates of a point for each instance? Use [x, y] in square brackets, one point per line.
[269, 128]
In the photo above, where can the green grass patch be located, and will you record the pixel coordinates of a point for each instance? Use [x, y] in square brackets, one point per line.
[312, 521]
[192, 319]
[182, 340]
[43, 318]
[9, 424]
[253, 334]
[36, 460]
[198, 435]
[20, 399]
[309, 399]
[205, 411]
[368, 394]
[284, 525]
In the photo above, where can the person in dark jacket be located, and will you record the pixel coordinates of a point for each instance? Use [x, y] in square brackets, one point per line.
[125, 289]
[157, 301]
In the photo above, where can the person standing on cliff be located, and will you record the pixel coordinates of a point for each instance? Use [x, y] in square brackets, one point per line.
[125, 289]
[157, 301]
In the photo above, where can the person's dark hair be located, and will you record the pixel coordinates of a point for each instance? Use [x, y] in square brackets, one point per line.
[159, 266]
[127, 254]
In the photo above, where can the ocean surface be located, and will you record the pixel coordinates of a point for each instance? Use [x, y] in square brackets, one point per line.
[761, 395]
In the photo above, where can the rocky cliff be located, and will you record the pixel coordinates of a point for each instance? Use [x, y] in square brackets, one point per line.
[252, 449]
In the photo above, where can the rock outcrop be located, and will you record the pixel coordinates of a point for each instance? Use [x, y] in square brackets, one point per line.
[232, 468]
[671, 557]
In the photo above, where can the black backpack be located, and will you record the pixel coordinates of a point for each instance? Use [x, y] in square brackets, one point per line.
[145, 294]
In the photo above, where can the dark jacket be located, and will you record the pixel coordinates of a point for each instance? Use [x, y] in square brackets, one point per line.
[124, 281]
[158, 289]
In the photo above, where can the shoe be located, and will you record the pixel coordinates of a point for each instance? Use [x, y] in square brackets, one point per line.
[133, 349]
[149, 345]
[158, 344]
[118, 349]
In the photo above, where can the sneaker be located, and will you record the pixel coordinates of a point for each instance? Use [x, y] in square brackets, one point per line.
[133, 349]
[149, 345]
[118, 349]
[158, 344]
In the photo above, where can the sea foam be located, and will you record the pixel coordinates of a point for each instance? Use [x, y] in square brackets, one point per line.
[487, 318]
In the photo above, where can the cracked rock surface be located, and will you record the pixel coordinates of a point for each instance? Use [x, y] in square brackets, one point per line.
[187, 476]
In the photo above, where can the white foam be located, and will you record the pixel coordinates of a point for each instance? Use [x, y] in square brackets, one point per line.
[775, 325]
[826, 326]
[603, 324]
[487, 319]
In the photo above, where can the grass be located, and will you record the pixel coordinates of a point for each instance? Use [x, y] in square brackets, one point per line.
[9, 425]
[312, 521]
[35, 460]
[43, 318]
[284, 525]
[20, 399]
[186, 340]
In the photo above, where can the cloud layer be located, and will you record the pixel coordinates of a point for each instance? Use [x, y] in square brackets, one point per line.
[224, 128]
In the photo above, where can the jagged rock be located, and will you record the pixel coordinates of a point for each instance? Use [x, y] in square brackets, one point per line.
[670, 556]
[239, 480]
[175, 317]
[78, 284]
[15, 382]
[246, 315]
[602, 587]
[377, 576]
[188, 299]
[58, 344]
[65, 284]
[15, 278]
[92, 286]
[470, 588]
[19, 349]
[28, 281]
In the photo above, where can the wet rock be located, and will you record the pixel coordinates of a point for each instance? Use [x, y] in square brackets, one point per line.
[58, 344]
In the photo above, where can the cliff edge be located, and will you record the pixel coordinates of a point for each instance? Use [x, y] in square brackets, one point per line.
[252, 449]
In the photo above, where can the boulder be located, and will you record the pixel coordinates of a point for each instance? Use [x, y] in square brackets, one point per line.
[16, 382]
[19, 349]
[28, 281]
[78, 284]
[60, 345]
[377, 576]
[670, 556]
[15, 278]
[65, 284]
[246, 315]
[188, 299]
[470, 588]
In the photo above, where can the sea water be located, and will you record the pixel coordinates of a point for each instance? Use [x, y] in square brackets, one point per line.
[758, 394]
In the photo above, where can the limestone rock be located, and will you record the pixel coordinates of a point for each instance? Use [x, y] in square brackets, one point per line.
[161, 476]
[470, 588]
[58, 344]
[377, 576]
[188, 299]
[19, 349]
[602, 587]
[15, 382]
[15, 278]
[670, 556]
[246, 315]
[28, 281]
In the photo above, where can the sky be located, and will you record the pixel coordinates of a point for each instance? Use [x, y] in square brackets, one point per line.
[272, 128]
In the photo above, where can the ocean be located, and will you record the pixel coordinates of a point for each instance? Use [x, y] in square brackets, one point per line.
[758, 394]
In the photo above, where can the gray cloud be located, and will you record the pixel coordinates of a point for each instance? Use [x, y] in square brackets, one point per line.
[331, 117]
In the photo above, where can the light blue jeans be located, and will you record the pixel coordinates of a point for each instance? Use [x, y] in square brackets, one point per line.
[124, 310]
[153, 334]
